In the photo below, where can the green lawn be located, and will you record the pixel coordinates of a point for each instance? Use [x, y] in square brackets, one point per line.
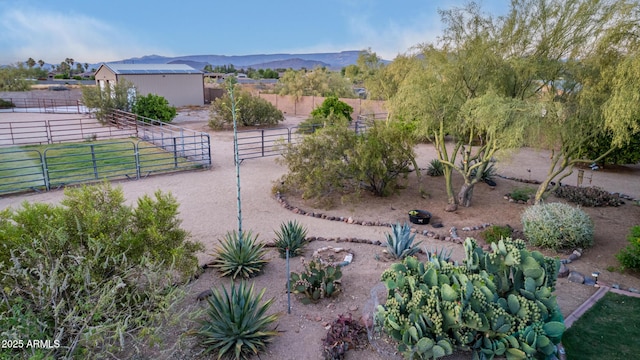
[609, 330]
[21, 167]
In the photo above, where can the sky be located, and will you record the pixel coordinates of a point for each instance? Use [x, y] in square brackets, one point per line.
[102, 31]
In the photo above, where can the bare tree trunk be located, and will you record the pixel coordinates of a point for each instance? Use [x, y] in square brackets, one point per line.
[465, 194]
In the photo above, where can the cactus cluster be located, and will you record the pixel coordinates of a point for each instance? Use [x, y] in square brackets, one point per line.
[317, 281]
[497, 303]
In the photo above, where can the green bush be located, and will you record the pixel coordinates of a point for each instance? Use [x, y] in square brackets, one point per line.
[333, 105]
[250, 111]
[522, 193]
[237, 326]
[6, 104]
[336, 161]
[629, 257]
[154, 107]
[87, 273]
[557, 226]
[496, 232]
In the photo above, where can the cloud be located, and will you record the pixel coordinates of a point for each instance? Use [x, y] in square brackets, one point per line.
[54, 36]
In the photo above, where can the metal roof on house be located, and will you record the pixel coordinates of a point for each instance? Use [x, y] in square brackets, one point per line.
[124, 69]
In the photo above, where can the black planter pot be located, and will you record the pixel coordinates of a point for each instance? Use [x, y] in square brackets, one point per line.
[421, 217]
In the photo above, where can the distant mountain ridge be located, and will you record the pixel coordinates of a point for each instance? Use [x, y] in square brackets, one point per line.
[334, 61]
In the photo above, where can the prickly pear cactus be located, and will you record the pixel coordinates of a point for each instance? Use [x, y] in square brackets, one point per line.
[497, 303]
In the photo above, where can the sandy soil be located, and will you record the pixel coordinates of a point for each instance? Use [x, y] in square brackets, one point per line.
[208, 209]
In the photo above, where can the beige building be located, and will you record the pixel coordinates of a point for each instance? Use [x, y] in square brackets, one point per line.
[180, 84]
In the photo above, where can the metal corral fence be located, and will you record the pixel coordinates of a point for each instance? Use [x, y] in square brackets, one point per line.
[52, 131]
[268, 142]
[52, 106]
[54, 166]
[42, 157]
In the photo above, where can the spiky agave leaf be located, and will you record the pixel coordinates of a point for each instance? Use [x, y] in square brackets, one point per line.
[236, 325]
[239, 255]
[400, 241]
[292, 235]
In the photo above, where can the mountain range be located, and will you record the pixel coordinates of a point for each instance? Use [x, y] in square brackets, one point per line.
[333, 61]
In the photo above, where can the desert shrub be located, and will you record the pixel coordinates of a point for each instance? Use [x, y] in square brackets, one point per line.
[250, 111]
[435, 168]
[237, 326]
[400, 241]
[587, 196]
[292, 236]
[333, 105]
[557, 226]
[496, 304]
[154, 107]
[344, 333]
[629, 257]
[335, 160]
[496, 232]
[313, 123]
[239, 255]
[522, 193]
[316, 281]
[488, 173]
[121, 96]
[74, 273]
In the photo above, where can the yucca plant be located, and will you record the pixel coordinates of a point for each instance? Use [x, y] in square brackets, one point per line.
[239, 255]
[435, 168]
[292, 236]
[400, 241]
[237, 325]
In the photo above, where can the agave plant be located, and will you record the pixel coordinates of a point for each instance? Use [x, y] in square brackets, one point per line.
[237, 326]
[292, 236]
[239, 255]
[400, 241]
[435, 168]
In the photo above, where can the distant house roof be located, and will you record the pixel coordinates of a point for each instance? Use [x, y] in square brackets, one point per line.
[124, 69]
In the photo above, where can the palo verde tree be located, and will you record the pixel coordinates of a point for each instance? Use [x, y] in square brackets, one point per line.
[584, 55]
[456, 92]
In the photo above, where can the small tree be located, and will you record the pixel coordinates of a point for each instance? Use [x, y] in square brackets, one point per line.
[154, 107]
[120, 96]
[253, 111]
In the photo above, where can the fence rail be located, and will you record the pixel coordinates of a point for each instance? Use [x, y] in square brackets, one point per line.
[52, 106]
[54, 166]
[269, 142]
[48, 154]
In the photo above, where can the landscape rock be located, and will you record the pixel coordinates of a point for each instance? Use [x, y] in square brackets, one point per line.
[576, 277]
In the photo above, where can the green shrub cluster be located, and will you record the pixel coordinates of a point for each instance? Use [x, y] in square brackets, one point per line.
[334, 160]
[91, 273]
[497, 303]
[496, 232]
[251, 111]
[154, 107]
[588, 196]
[557, 226]
[522, 193]
[6, 104]
[629, 257]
